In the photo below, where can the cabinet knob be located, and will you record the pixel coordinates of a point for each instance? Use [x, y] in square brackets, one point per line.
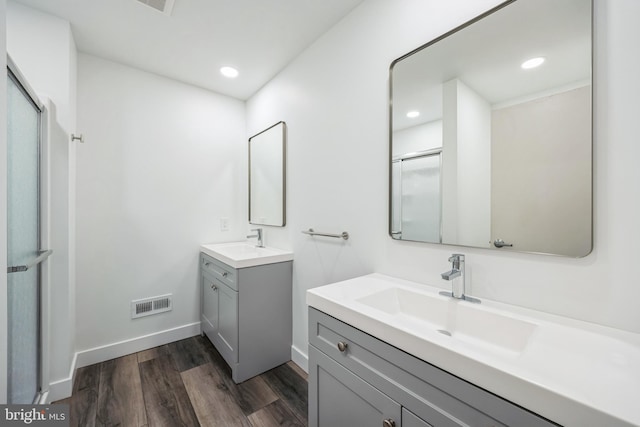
[224, 274]
[342, 346]
[389, 423]
[214, 287]
[207, 264]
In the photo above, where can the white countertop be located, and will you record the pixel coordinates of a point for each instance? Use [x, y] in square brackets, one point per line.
[244, 254]
[572, 372]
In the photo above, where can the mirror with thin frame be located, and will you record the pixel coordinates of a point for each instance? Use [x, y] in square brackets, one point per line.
[267, 155]
[491, 132]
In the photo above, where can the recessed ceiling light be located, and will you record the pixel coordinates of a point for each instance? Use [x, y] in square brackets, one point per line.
[532, 63]
[413, 114]
[229, 72]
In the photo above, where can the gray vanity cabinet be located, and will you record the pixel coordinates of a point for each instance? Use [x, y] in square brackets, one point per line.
[246, 314]
[209, 317]
[343, 399]
[358, 380]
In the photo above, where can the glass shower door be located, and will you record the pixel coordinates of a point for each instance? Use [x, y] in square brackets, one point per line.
[23, 206]
[421, 199]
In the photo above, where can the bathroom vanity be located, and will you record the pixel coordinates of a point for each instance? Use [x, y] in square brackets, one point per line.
[401, 354]
[246, 306]
[386, 386]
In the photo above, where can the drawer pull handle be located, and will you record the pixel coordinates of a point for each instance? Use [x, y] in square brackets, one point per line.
[207, 264]
[214, 287]
[389, 423]
[342, 346]
[225, 274]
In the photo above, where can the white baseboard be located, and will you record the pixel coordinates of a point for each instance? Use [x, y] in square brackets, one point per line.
[134, 345]
[61, 389]
[300, 358]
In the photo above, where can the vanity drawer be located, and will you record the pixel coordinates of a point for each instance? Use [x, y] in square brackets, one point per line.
[430, 393]
[219, 270]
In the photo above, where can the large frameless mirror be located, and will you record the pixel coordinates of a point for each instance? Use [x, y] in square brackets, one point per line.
[267, 162]
[491, 132]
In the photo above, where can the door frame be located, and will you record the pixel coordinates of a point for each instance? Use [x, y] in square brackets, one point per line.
[44, 220]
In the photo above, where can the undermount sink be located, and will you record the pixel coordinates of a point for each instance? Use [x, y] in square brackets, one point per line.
[558, 367]
[243, 254]
[465, 322]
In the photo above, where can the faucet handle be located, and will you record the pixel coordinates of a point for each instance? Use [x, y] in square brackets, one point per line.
[456, 260]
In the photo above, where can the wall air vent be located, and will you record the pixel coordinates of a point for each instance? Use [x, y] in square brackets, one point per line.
[164, 6]
[149, 306]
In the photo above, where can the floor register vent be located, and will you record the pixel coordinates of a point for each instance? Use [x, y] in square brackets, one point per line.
[149, 306]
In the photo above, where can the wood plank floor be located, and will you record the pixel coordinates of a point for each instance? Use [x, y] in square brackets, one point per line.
[185, 383]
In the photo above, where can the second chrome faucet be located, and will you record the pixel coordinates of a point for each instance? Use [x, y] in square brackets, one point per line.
[457, 278]
[258, 236]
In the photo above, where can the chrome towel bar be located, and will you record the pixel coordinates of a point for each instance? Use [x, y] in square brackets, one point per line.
[344, 235]
[41, 257]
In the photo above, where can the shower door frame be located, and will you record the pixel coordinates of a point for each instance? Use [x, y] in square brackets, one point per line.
[434, 152]
[42, 391]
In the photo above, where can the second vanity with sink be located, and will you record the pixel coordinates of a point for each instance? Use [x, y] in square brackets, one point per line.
[246, 305]
[402, 354]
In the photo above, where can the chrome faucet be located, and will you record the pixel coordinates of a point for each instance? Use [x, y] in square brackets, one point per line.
[458, 279]
[258, 235]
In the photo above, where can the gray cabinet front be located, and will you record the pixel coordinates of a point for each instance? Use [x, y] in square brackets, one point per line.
[246, 314]
[209, 305]
[343, 399]
[228, 323]
[410, 419]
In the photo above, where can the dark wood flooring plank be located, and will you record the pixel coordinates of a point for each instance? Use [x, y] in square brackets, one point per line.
[165, 397]
[83, 403]
[152, 353]
[252, 394]
[211, 398]
[298, 370]
[189, 353]
[291, 388]
[274, 415]
[120, 400]
[216, 358]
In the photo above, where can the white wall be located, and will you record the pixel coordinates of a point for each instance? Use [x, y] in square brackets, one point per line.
[3, 212]
[474, 167]
[549, 212]
[450, 154]
[162, 162]
[334, 99]
[466, 170]
[43, 48]
[417, 138]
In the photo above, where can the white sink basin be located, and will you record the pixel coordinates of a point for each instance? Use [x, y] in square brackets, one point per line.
[243, 254]
[467, 322]
[574, 373]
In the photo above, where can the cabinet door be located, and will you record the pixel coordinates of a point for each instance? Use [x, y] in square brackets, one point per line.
[409, 419]
[228, 322]
[209, 306]
[337, 397]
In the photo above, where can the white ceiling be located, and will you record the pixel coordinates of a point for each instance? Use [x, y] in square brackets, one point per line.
[486, 56]
[258, 37]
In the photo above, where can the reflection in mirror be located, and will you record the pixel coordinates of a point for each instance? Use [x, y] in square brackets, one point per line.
[267, 154]
[490, 152]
